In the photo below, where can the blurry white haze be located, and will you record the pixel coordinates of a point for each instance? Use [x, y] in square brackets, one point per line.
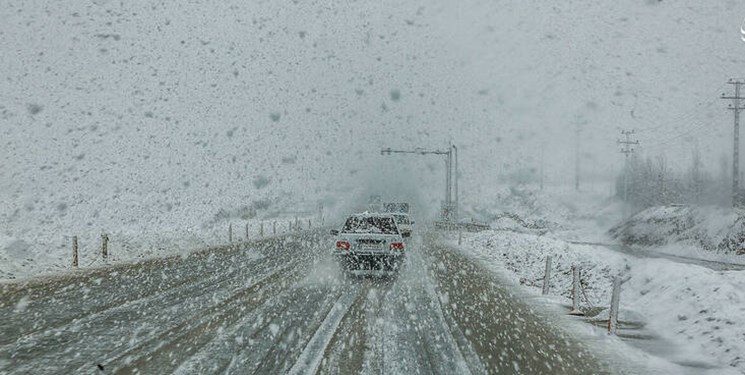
[167, 117]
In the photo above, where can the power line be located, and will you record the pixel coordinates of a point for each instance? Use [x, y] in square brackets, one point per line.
[672, 141]
[675, 123]
[692, 130]
[687, 127]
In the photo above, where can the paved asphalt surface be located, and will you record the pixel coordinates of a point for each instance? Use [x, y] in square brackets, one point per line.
[282, 306]
[639, 252]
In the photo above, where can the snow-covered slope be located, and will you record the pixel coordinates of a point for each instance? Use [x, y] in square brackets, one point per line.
[691, 312]
[713, 229]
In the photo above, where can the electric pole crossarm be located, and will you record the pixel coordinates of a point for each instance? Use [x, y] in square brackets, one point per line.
[627, 143]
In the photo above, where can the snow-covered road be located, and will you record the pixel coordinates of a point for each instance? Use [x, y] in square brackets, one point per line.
[650, 253]
[281, 306]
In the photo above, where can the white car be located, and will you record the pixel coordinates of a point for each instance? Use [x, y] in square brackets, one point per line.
[369, 241]
[404, 223]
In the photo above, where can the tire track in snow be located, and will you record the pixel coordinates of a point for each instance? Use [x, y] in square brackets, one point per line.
[66, 292]
[125, 306]
[271, 337]
[191, 334]
[343, 354]
[114, 331]
[223, 354]
[417, 317]
[310, 359]
[170, 297]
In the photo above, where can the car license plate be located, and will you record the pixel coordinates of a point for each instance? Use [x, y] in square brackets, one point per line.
[370, 246]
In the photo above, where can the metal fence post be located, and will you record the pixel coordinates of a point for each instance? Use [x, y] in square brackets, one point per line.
[614, 301]
[230, 232]
[575, 292]
[104, 246]
[74, 251]
[246, 231]
[261, 230]
[274, 227]
[547, 276]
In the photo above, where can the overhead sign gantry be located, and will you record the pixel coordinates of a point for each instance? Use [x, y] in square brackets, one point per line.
[450, 206]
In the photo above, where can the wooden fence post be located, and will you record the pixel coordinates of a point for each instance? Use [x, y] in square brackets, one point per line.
[547, 276]
[230, 232]
[261, 230]
[274, 227]
[575, 292]
[614, 302]
[104, 246]
[75, 251]
[246, 231]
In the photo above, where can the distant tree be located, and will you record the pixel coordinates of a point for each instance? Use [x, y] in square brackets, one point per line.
[652, 182]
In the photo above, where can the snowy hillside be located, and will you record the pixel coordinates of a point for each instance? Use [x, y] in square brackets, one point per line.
[712, 229]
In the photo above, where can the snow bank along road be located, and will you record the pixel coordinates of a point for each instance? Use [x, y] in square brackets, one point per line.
[281, 306]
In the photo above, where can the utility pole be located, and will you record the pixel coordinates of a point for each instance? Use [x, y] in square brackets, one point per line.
[576, 159]
[736, 107]
[626, 150]
[455, 177]
[450, 209]
[449, 179]
[543, 146]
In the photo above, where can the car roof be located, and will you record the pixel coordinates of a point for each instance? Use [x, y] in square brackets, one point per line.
[371, 214]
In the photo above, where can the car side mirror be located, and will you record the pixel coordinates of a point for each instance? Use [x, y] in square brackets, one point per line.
[405, 234]
[334, 232]
[412, 222]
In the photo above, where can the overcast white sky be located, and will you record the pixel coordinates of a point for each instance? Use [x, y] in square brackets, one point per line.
[184, 99]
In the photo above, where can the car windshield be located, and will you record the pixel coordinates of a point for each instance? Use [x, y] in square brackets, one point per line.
[370, 224]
